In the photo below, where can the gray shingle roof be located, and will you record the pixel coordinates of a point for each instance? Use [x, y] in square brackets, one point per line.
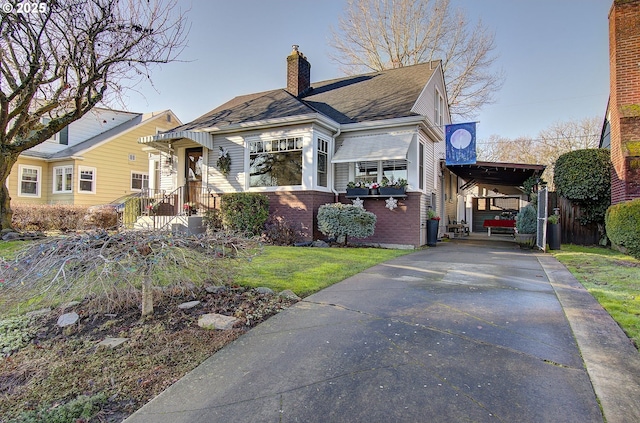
[375, 96]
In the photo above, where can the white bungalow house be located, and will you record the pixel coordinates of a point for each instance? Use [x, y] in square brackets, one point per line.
[301, 145]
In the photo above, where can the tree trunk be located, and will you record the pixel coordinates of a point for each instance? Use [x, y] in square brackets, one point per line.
[6, 163]
[147, 297]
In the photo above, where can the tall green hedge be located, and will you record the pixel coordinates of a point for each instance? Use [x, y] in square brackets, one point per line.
[622, 222]
[584, 178]
[244, 212]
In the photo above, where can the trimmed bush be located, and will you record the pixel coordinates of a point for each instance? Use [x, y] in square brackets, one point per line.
[57, 217]
[244, 212]
[345, 220]
[622, 223]
[584, 178]
[527, 220]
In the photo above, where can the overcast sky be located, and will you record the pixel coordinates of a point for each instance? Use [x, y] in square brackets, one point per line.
[554, 54]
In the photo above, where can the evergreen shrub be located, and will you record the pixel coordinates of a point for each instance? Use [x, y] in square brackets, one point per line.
[339, 219]
[622, 223]
[244, 212]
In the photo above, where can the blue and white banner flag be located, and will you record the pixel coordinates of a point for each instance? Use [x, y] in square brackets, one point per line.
[461, 143]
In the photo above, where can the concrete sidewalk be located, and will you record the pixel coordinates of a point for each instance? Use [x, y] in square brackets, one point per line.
[466, 331]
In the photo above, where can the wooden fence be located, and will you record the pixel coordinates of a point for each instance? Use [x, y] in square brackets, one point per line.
[572, 231]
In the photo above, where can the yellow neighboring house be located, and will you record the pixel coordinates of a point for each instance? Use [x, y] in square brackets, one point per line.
[95, 160]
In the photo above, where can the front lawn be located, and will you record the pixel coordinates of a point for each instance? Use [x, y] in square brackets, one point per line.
[309, 270]
[612, 278]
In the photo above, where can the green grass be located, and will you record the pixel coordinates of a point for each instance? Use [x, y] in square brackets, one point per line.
[8, 249]
[612, 278]
[308, 270]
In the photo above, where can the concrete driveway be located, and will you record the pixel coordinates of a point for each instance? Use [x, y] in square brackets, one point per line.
[467, 331]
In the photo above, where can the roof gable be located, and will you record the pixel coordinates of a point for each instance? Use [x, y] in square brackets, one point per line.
[376, 96]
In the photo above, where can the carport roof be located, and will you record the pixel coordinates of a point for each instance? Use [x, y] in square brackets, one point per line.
[494, 173]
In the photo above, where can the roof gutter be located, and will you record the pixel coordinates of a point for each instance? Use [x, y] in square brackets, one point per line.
[318, 118]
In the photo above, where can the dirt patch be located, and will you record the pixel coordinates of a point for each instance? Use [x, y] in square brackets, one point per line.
[626, 263]
[62, 364]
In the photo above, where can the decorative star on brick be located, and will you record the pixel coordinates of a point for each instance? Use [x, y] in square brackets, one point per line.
[392, 203]
[358, 202]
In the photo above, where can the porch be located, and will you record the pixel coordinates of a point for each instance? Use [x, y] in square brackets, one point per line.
[182, 209]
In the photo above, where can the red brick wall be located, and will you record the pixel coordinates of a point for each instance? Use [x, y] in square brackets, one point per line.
[624, 59]
[300, 207]
[400, 226]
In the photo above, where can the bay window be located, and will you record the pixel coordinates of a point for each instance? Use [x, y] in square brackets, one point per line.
[275, 162]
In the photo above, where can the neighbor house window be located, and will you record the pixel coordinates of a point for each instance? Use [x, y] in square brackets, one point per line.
[139, 181]
[87, 179]
[322, 162]
[421, 166]
[438, 107]
[62, 179]
[29, 181]
[275, 162]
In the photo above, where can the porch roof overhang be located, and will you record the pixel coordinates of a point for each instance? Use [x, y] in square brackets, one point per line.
[374, 147]
[162, 141]
[494, 173]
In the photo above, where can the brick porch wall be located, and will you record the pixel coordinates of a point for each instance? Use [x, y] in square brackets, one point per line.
[300, 207]
[400, 226]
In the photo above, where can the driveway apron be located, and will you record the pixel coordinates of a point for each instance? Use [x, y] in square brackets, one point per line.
[463, 332]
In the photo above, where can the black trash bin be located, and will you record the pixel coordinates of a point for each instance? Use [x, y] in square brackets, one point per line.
[432, 232]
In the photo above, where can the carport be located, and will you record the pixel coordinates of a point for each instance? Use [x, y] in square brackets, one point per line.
[504, 183]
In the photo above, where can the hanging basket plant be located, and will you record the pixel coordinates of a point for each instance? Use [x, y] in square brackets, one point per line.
[224, 162]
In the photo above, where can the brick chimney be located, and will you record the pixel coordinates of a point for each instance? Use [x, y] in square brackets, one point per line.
[298, 73]
[624, 103]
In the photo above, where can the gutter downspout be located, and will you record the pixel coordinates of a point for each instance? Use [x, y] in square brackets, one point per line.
[333, 173]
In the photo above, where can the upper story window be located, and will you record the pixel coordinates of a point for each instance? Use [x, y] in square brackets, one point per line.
[275, 162]
[30, 181]
[87, 180]
[438, 108]
[61, 137]
[322, 162]
[62, 179]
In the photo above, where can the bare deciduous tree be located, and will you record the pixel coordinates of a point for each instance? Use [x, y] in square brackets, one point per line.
[382, 34]
[60, 61]
[551, 143]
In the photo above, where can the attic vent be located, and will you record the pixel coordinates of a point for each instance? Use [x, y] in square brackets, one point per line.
[168, 117]
[132, 157]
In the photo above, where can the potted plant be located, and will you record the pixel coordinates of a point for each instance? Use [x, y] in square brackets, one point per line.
[356, 189]
[433, 224]
[189, 208]
[526, 227]
[554, 235]
[373, 188]
[393, 187]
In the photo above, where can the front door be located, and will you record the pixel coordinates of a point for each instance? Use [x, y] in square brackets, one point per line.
[193, 176]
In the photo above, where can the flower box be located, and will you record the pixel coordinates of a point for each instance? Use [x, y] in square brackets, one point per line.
[356, 192]
[391, 191]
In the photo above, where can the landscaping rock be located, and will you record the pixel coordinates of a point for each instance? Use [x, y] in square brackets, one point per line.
[215, 289]
[40, 312]
[320, 244]
[11, 236]
[112, 342]
[264, 290]
[216, 321]
[190, 304]
[289, 294]
[68, 319]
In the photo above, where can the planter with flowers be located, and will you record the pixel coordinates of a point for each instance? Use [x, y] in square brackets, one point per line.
[433, 226]
[356, 189]
[373, 188]
[393, 187]
[189, 208]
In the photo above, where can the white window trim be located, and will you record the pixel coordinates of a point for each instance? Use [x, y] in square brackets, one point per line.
[95, 179]
[38, 181]
[139, 173]
[56, 137]
[63, 191]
